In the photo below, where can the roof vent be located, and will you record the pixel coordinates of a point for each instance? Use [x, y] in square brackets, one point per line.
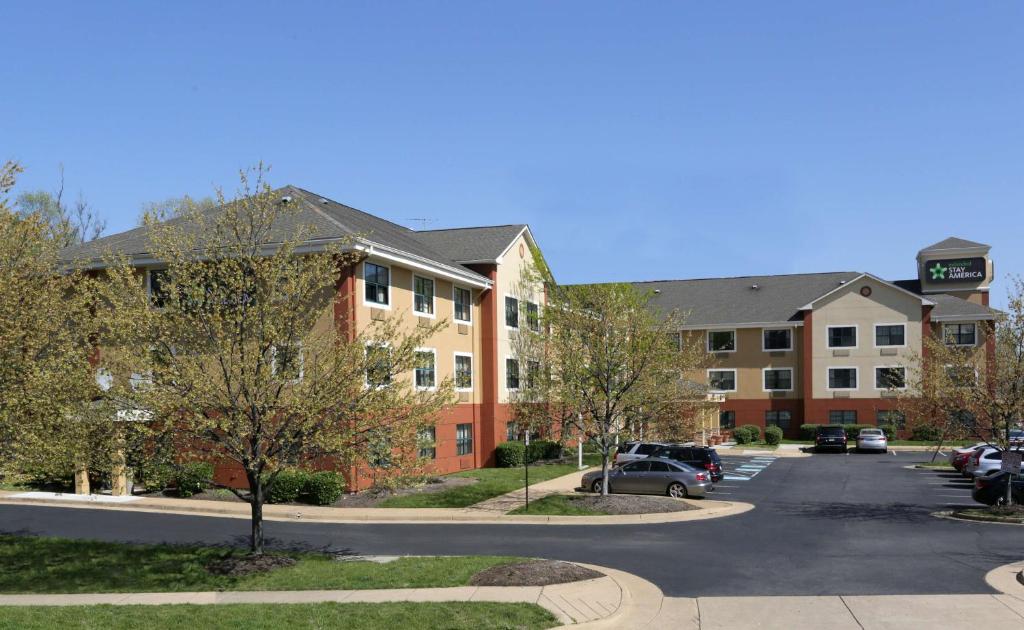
[842, 282]
[657, 291]
[323, 201]
[286, 199]
[754, 287]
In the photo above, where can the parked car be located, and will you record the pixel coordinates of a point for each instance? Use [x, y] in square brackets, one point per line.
[872, 440]
[958, 456]
[991, 489]
[631, 451]
[700, 457]
[1016, 437]
[653, 475]
[984, 461]
[830, 437]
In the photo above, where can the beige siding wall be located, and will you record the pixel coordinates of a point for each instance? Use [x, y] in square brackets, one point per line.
[509, 283]
[750, 360]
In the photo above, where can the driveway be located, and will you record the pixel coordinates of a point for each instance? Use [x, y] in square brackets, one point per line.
[825, 525]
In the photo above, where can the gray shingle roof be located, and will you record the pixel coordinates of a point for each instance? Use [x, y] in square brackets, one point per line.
[325, 218]
[734, 301]
[951, 243]
[472, 244]
[948, 306]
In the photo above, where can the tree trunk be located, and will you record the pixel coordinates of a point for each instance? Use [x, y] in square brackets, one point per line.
[1009, 489]
[604, 470]
[256, 503]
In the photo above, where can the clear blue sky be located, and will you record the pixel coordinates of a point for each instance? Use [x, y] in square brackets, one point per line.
[639, 140]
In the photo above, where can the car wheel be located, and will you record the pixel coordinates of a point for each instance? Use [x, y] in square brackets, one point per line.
[598, 486]
[677, 491]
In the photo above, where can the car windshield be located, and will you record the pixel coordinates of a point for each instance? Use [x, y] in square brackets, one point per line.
[871, 432]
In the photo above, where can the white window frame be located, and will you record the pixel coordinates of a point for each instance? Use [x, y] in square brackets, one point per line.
[429, 388]
[765, 330]
[302, 361]
[828, 379]
[960, 345]
[519, 312]
[735, 380]
[391, 285]
[874, 337]
[856, 334]
[433, 296]
[735, 340]
[379, 344]
[467, 322]
[890, 367]
[764, 373]
[455, 370]
[526, 313]
[504, 373]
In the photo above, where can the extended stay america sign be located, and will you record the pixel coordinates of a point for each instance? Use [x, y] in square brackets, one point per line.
[956, 270]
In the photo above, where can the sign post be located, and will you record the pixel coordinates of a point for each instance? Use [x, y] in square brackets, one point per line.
[1010, 464]
[526, 468]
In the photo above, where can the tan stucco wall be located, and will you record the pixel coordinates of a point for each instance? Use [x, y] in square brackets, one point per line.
[509, 283]
[886, 305]
[749, 360]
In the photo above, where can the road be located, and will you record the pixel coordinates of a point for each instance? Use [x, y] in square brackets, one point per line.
[826, 525]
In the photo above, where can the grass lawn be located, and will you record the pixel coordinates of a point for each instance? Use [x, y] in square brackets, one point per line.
[405, 615]
[758, 445]
[558, 505]
[54, 565]
[491, 482]
[939, 464]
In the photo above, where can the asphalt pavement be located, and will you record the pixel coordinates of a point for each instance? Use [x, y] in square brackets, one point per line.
[831, 524]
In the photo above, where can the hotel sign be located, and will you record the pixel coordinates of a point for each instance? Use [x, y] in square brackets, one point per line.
[955, 270]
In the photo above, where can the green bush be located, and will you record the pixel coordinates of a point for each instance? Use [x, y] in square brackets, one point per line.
[543, 449]
[510, 454]
[809, 431]
[853, 430]
[889, 430]
[155, 477]
[740, 435]
[773, 435]
[324, 488]
[925, 433]
[747, 433]
[193, 478]
[287, 487]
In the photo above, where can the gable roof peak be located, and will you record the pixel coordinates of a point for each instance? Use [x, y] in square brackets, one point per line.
[953, 242]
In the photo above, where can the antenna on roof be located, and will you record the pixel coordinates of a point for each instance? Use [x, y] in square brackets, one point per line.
[423, 222]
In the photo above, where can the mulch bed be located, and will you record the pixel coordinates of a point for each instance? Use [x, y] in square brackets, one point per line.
[630, 503]
[372, 497]
[533, 573]
[995, 514]
[237, 566]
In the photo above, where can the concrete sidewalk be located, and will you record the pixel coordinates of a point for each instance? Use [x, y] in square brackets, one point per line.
[566, 484]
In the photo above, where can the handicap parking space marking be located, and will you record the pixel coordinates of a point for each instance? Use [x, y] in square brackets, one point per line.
[736, 478]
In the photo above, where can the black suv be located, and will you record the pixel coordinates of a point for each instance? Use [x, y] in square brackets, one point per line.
[703, 457]
[830, 436]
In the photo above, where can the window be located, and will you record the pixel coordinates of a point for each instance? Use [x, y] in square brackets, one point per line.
[842, 336]
[158, 287]
[463, 439]
[287, 361]
[842, 417]
[379, 451]
[511, 312]
[675, 341]
[660, 467]
[888, 417]
[511, 374]
[778, 379]
[964, 418]
[890, 335]
[842, 378]
[463, 300]
[781, 339]
[637, 467]
[960, 334]
[423, 295]
[727, 420]
[777, 419]
[961, 376]
[722, 380]
[463, 372]
[532, 373]
[646, 449]
[721, 341]
[511, 431]
[533, 317]
[377, 279]
[890, 378]
[378, 365]
[425, 373]
[427, 440]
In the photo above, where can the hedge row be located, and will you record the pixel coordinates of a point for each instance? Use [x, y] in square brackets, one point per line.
[319, 488]
[512, 454]
[747, 434]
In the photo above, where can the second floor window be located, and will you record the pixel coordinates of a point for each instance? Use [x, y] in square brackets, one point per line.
[722, 341]
[511, 312]
[890, 335]
[463, 305]
[778, 379]
[778, 339]
[890, 378]
[961, 376]
[463, 371]
[960, 334]
[722, 380]
[377, 280]
[423, 295]
[842, 337]
[842, 378]
[378, 365]
[425, 372]
[533, 316]
[511, 374]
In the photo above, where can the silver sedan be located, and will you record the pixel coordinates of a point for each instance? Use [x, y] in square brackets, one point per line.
[872, 440]
[653, 475]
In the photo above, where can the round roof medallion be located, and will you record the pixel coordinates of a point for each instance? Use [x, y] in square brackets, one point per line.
[865, 291]
[522, 250]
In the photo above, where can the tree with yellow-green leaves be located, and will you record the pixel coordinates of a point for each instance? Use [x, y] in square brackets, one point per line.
[235, 355]
[50, 415]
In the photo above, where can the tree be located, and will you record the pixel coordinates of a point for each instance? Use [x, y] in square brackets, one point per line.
[47, 384]
[607, 363]
[159, 211]
[70, 225]
[244, 360]
[971, 389]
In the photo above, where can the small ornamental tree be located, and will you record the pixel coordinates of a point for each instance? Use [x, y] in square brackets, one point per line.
[237, 355]
[607, 365]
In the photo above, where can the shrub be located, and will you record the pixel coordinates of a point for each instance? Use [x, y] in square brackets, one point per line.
[773, 435]
[510, 454]
[925, 433]
[743, 434]
[890, 430]
[155, 477]
[324, 488]
[853, 430]
[543, 449]
[753, 432]
[287, 487]
[809, 431]
[193, 478]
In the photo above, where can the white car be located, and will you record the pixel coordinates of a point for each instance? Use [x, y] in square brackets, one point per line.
[872, 440]
[984, 461]
[961, 450]
[632, 451]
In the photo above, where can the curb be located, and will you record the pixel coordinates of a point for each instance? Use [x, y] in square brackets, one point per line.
[951, 516]
[1006, 579]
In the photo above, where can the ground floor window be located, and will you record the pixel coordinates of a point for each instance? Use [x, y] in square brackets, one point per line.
[842, 417]
[727, 420]
[463, 439]
[888, 417]
[427, 439]
[779, 419]
[511, 432]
